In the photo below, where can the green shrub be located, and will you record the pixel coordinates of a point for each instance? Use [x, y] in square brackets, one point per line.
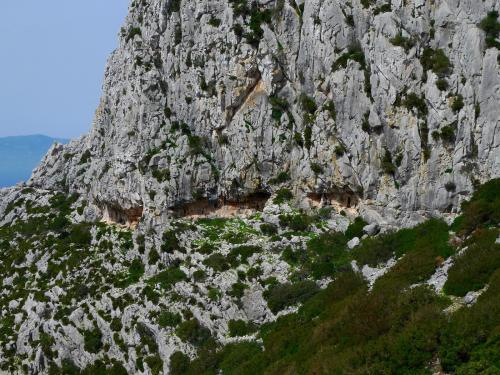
[384, 8]
[308, 104]
[472, 270]
[85, 157]
[238, 290]
[281, 296]
[442, 84]
[354, 53]
[436, 60]
[155, 364]
[458, 103]
[299, 222]
[400, 41]
[193, 332]
[330, 107]
[282, 195]
[491, 27]
[132, 32]
[147, 337]
[240, 328]
[214, 21]
[170, 242]
[175, 6]
[218, 262]
[214, 294]
[199, 276]
[135, 272]
[116, 324]
[169, 319]
[387, 165]
[413, 101]
[268, 229]
[447, 133]
[93, 340]
[316, 168]
[240, 254]
[169, 277]
[161, 175]
[179, 363]
[355, 229]
[482, 210]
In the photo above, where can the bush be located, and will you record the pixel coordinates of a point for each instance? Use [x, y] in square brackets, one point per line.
[147, 337]
[308, 104]
[472, 270]
[458, 103]
[199, 276]
[92, 341]
[132, 32]
[155, 364]
[283, 295]
[169, 319]
[491, 27]
[168, 277]
[413, 101]
[268, 229]
[442, 84]
[214, 21]
[241, 254]
[297, 222]
[282, 195]
[450, 186]
[238, 290]
[240, 328]
[447, 133]
[280, 178]
[193, 332]
[179, 363]
[355, 229]
[316, 168]
[217, 262]
[170, 242]
[135, 272]
[482, 210]
[387, 165]
[354, 53]
[400, 41]
[116, 324]
[435, 60]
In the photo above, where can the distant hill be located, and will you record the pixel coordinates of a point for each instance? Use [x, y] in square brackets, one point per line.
[20, 155]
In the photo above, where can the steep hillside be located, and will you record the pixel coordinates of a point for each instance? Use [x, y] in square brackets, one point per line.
[269, 187]
[278, 291]
[391, 107]
[20, 155]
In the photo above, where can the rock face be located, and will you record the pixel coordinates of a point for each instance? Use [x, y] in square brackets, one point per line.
[209, 101]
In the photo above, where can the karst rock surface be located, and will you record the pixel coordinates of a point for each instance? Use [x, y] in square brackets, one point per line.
[211, 100]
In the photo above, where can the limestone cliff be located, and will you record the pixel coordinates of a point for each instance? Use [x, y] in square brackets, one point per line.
[391, 104]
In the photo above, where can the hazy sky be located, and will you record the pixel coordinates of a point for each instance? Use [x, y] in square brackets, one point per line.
[52, 59]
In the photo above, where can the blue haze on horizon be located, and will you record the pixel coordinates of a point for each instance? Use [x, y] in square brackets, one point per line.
[52, 60]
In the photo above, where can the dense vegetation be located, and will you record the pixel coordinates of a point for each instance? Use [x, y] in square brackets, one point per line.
[400, 326]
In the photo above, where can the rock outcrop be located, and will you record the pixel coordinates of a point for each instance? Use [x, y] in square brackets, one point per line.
[393, 103]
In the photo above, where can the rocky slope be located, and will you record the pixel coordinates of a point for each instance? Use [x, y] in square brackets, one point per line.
[389, 106]
[250, 161]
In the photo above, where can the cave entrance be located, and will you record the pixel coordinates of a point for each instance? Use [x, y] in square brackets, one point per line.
[127, 217]
[223, 207]
[342, 200]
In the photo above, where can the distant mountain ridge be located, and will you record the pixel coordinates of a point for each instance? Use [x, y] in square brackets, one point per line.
[19, 155]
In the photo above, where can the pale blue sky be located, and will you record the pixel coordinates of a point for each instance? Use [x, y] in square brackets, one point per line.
[52, 59]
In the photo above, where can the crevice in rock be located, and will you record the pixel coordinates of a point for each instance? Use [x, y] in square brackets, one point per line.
[242, 99]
